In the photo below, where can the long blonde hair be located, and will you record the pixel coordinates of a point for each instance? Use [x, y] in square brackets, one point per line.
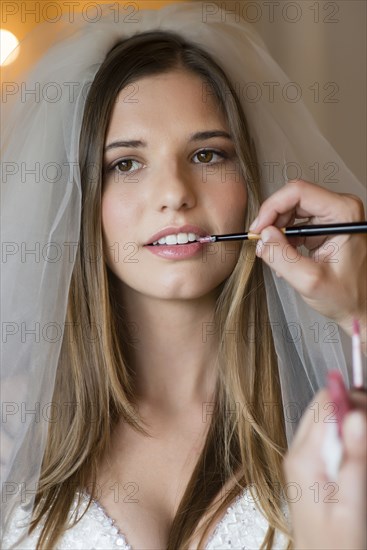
[94, 373]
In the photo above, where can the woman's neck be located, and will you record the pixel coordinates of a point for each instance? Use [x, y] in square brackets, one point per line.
[174, 351]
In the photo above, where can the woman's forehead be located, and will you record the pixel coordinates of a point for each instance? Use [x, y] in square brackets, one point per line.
[178, 99]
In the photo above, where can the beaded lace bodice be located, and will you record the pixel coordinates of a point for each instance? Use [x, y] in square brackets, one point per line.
[242, 527]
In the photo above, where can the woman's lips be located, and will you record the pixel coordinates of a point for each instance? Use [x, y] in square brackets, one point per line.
[176, 251]
[174, 230]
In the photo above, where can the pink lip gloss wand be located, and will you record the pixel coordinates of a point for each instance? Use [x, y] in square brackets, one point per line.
[332, 449]
[357, 356]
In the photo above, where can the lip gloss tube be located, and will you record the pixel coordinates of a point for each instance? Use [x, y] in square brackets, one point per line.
[332, 448]
[339, 396]
[357, 356]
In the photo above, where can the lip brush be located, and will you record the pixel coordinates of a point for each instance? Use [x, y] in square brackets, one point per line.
[298, 231]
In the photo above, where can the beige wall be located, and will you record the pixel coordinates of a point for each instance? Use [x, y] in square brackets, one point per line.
[328, 46]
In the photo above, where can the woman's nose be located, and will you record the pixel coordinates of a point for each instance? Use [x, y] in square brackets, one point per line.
[174, 189]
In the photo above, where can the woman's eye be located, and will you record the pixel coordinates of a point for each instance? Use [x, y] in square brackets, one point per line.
[207, 155]
[124, 166]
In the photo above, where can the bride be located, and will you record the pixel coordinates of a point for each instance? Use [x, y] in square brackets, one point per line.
[176, 379]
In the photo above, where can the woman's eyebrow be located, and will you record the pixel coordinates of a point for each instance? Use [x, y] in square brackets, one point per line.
[210, 134]
[135, 143]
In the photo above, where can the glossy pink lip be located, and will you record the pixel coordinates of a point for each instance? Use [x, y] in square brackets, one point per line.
[170, 230]
[176, 251]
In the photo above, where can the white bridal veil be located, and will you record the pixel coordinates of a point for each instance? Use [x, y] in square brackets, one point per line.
[43, 96]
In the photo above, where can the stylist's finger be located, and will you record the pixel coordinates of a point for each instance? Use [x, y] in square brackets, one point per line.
[302, 199]
[354, 428]
[353, 472]
[354, 436]
[305, 275]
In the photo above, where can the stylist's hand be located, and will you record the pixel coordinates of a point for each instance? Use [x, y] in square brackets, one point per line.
[332, 280]
[328, 515]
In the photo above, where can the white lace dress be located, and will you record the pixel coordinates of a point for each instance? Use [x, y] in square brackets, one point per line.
[242, 527]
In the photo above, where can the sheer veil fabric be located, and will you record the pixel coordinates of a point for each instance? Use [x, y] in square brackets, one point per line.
[41, 204]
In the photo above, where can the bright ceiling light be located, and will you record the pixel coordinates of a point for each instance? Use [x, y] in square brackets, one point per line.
[8, 42]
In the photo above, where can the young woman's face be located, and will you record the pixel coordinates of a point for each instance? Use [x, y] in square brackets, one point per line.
[160, 174]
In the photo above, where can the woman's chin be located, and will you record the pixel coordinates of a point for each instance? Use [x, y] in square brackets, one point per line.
[185, 293]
